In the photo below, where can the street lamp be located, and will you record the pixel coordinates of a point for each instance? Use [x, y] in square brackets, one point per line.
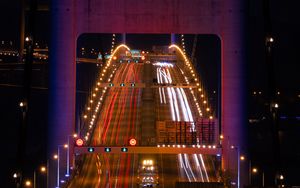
[68, 154]
[239, 158]
[27, 183]
[255, 171]
[42, 170]
[57, 156]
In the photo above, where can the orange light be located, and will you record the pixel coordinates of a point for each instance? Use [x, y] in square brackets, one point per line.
[79, 142]
[254, 170]
[132, 141]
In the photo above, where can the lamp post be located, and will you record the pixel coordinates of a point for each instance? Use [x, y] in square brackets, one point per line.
[42, 170]
[68, 154]
[254, 170]
[27, 183]
[239, 158]
[58, 159]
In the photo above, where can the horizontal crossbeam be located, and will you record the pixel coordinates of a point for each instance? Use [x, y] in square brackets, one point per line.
[162, 149]
[143, 85]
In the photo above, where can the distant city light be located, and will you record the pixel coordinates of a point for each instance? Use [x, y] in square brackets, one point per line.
[221, 137]
[27, 183]
[281, 177]
[43, 169]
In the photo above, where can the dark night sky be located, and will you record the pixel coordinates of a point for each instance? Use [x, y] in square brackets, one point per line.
[285, 27]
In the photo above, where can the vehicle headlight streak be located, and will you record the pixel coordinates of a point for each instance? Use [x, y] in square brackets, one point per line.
[187, 113]
[192, 71]
[202, 162]
[198, 166]
[182, 166]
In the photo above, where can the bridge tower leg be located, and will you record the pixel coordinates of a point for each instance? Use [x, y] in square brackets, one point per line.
[62, 81]
[233, 87]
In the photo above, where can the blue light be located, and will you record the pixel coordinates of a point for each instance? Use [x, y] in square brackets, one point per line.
[107, 149]
[91, 150]
[124, 149]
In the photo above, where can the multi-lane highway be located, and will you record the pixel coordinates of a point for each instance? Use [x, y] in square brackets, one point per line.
[128, 112]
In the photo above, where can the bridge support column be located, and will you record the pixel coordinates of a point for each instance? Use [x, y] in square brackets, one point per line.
[234, 124]
[61, 82]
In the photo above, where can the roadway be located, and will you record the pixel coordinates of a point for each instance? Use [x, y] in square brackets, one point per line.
[133, 112]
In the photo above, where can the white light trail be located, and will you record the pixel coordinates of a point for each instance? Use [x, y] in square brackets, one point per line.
[163, 89]
[164, 95]
[163, 64]
[171, 104]
[183, 108]
[182, 165]
[198, 166]
[205, 171]
[168, 79]
[187, 162]
[189, 112]
[158, 80]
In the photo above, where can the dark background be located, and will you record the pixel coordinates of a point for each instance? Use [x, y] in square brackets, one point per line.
[285, 30]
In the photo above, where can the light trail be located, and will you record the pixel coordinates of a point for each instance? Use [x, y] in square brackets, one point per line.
[159, 89]
[198, 166]
[163, 89]
[202, 162]
[182, 104]
[171, 95]
[189, 167]
[182, 164]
